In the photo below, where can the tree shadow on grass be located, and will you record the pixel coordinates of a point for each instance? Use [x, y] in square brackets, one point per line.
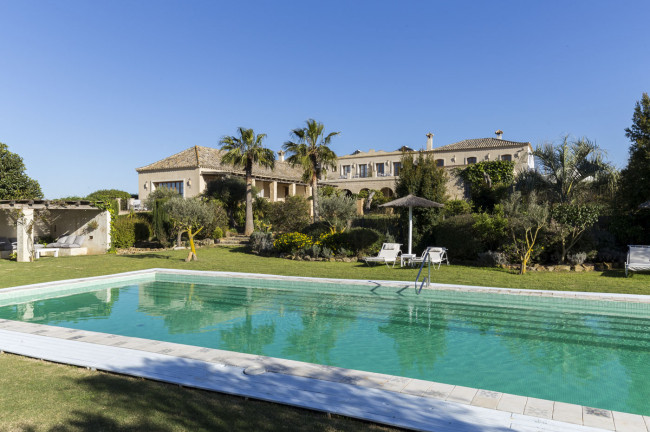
[125, 404]
[147, 255]
[616, 273]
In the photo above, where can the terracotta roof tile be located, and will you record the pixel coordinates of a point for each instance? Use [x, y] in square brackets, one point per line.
[481, 143]
[210, 158]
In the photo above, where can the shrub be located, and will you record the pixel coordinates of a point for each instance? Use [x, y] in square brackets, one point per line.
[335, 242]
[457, 207]
[456, 234]
[354, 241]
[217, 233]
[491, 229]
[577, 258]
[261, 242]
[123, 233]
[291, 242]
[316, 229]
[492, 259]
[364, 240]
[290, 215]
[142, 229]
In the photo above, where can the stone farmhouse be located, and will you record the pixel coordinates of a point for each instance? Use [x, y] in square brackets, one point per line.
[189, 171]
[378, 170]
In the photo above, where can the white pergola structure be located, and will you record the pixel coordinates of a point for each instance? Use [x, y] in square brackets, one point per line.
[18, 220]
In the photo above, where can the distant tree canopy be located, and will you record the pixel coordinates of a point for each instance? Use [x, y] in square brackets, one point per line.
[108, 195]
[635, 177]
[421, 177]
[14, 183]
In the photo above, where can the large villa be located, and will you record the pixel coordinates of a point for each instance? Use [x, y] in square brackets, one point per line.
[189, 171]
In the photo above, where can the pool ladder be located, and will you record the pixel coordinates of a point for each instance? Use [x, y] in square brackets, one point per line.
[427, 280]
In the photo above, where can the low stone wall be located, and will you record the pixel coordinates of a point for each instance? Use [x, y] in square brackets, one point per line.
[567, 268]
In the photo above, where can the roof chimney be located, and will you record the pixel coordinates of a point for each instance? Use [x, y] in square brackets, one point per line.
[281, 154]
[499, 134]
[429, 141]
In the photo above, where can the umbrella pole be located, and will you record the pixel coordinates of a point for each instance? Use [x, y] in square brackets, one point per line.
[410, 228]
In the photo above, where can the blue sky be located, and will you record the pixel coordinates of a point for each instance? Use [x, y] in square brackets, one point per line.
[91, 90]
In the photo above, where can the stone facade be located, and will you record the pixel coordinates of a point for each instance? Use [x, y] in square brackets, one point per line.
[379, 170]
[191, 170]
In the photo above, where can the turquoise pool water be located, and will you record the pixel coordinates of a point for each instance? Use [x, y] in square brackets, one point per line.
[584, 352]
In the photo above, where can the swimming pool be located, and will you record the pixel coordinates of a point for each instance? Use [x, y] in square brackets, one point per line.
[586, 352]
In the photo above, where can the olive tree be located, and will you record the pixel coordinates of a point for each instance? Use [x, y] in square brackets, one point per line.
[526, 218]
[570, 222]
[337, 211]
[189, 216]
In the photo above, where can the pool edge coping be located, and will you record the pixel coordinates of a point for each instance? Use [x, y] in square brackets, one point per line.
[618, 297]
[591, 419]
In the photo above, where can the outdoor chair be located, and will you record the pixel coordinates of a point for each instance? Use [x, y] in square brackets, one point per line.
[638, 258]
[436, 256]
[68, 242]
[388, 253]
[7, 244]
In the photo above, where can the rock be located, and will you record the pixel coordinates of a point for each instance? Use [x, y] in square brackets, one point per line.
[562, 268]
[307, 258]
[332, 259]
[578, 268]
[550, 268]
[346, 259]
[588, 267]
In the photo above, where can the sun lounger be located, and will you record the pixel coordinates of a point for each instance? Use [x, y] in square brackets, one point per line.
[388, 253]
[638, 258]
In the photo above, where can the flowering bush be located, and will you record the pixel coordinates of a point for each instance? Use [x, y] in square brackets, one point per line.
[291, 242]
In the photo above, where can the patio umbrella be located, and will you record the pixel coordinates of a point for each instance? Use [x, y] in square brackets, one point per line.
[411, 201]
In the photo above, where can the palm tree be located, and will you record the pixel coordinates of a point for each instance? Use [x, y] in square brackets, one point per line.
[572, 167]
[312, 153]
[244, 151]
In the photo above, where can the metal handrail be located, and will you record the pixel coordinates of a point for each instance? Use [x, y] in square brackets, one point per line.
[425, 259]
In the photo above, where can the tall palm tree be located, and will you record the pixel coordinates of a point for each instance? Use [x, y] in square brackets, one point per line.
[244, 151]
[572, 167]
[310, 150]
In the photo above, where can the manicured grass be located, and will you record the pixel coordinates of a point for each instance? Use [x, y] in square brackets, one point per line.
[43, 396]
[40, 396]
[235, 259]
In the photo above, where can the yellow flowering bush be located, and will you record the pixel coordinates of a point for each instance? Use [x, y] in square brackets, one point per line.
[291, 242]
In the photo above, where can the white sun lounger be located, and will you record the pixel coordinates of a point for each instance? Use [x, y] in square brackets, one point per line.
[638, 258]
[388, 253]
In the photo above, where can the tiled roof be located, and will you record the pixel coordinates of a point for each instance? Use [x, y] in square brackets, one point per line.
[210, 158]
[481, 143]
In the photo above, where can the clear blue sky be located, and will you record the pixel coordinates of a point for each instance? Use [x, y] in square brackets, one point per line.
[91, 90]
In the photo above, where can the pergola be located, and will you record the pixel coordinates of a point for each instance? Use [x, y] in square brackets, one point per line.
[74, 218]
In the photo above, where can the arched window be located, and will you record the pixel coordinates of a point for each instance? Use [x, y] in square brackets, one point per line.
[471, 160]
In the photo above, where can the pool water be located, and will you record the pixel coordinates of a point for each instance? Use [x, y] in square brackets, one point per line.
[584, 352]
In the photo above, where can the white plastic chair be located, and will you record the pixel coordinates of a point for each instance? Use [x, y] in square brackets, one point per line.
[436, 256]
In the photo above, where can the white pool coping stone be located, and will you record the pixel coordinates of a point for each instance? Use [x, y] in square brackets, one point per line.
[393, 400]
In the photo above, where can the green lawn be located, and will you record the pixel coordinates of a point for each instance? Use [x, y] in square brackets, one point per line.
[235, 259]
[40, 396]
